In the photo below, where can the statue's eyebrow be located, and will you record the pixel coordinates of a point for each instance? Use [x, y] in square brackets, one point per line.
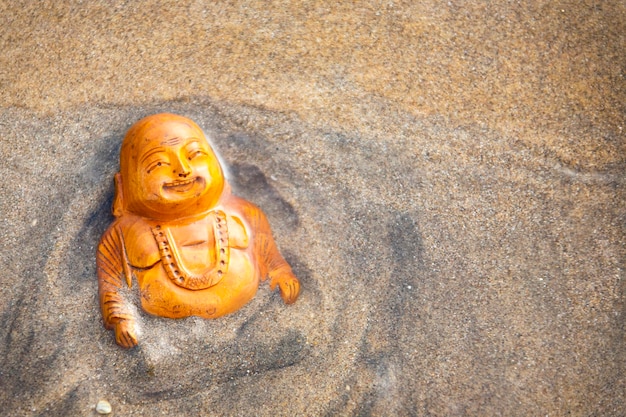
[150, 153]
[192, 141]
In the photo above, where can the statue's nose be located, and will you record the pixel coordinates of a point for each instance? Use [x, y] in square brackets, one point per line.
[183, 169]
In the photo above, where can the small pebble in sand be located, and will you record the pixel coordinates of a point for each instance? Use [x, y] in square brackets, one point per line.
[103, 407]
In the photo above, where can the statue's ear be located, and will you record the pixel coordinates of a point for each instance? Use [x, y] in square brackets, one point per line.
[118, 199]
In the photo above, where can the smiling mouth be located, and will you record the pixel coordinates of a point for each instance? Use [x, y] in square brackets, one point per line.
[180, 186]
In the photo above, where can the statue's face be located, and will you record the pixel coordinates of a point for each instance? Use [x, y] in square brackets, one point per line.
[169, 170]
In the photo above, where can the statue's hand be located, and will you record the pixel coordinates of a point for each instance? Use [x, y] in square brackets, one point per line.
[289, 286]
[125, 334]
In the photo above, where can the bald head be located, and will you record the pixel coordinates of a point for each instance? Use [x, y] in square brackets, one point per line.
[168, 168]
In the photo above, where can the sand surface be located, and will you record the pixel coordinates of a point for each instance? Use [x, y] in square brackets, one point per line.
[447, 179]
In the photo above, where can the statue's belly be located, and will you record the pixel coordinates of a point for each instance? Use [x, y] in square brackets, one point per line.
[161, 297]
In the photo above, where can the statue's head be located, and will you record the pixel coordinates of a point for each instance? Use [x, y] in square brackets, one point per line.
[167, 170]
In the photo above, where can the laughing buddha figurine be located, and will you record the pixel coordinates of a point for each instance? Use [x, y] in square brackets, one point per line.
[193, 248]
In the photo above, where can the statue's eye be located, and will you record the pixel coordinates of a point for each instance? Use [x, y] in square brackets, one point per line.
[196, 153]
[154, 165]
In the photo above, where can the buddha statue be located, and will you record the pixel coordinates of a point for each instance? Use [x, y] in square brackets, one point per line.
[192, 247]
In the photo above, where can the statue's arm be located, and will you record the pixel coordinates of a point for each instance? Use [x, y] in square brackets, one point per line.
[113, 269]
[273, 265]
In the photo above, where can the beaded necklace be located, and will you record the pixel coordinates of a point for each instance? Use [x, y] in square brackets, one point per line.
[175, 268]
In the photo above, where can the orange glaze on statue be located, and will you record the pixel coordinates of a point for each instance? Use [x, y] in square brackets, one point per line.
[193, 247]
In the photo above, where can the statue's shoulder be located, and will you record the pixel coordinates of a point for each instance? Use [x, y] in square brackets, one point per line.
[245, 210]
[137, 239]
